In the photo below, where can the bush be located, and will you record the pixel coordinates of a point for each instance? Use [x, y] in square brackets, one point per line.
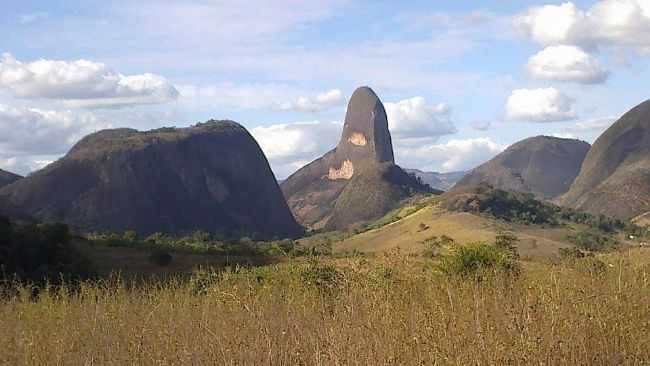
[476, 260]
[40, 253]
[593, 240]
[514, 206]
[322, 276]
[507, 241]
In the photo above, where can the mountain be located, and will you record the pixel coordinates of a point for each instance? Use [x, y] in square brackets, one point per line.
[7, 178]
[544, 166]
[358, 180]
[440, 181]
[615, 176]
[211, 177]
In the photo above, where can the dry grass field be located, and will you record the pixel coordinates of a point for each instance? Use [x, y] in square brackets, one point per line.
[393, 308]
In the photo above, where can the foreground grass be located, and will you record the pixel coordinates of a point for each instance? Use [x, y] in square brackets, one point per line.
[393, 309]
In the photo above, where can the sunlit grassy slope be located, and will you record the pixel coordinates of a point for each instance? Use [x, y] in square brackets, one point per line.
[411, 231]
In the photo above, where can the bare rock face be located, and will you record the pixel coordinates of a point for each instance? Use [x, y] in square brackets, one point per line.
[211, 177]
[357, 181]
[7, 178]
[615, 177]
[544, 166]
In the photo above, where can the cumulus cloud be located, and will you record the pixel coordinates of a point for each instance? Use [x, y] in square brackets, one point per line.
[454, 155]
[29, 135]
[539, 105]
[415, 118]
[321, 102]
[82, 83]
[566, 63]
[607, 23]
[289, 146]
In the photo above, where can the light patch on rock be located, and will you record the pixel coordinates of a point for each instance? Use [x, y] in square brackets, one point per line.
[357, 139]
[217, 188]
[345, 172]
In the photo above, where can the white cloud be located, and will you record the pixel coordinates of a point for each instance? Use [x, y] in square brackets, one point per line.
[550, 24]
[321, 102]
[239, 95]
[587, 130]
[82, 83]
[31, 18]
[414, 118]
[539, 105]
[618, 23]
[566, 63]
[289, 146]
[29, 135]
[454, 155]
[591, 125]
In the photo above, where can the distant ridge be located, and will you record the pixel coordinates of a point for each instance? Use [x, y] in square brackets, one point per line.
[441, 181]
[544, 166]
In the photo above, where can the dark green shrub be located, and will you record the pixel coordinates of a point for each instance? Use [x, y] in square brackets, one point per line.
[324, 277]
[478, 259]
[40, 253]
[515, 206]
[593, 240]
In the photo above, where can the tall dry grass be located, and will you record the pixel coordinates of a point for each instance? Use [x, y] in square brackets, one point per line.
[390, 310]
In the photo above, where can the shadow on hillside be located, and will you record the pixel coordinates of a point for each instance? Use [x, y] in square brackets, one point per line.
[137, 264]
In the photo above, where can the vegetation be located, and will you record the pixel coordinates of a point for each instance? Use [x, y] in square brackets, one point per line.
[199, 242]
[593, 240]
[387, 310]
[599, 222]
[525, 209]
[39, 253]
[515, 206]
[477, 260]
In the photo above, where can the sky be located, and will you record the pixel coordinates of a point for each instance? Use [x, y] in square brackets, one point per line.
[460, 80]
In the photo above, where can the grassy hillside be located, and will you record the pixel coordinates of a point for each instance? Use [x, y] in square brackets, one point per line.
[411, 231]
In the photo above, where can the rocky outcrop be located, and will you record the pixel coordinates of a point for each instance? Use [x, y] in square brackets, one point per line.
[615, 177]
[211, 177]
[544, 166]
[357, 181]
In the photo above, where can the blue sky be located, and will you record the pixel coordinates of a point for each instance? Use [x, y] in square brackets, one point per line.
[460, 80]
